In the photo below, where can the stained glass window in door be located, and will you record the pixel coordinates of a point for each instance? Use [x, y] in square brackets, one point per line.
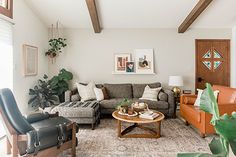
[217, 54]
[217, 64]
[207, 55]
[207, 64]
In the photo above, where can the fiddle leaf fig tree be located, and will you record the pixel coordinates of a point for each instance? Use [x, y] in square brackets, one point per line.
[225, 127]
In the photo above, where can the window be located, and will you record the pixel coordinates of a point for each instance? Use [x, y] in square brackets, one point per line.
[6, 58]
[6, 7]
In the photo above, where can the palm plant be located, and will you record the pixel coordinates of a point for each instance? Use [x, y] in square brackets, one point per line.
[42, 95]
[225, 127]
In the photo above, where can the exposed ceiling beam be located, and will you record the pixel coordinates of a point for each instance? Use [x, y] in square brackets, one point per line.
[94, 15]
[197, 10]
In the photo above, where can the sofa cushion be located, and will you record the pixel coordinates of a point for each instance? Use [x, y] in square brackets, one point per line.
[150, 93]
[119, 90]
[138, 89]
[163, 96]
[111, 103]
[155, 105]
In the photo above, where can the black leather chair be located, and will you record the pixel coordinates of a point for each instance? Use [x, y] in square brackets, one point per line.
[39, 134]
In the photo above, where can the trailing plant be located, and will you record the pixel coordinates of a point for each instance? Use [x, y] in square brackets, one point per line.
[225, 127]
[60, 84]
[42, 95]
[56, 46]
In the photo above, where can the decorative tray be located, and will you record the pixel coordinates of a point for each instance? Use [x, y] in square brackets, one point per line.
[126, 114]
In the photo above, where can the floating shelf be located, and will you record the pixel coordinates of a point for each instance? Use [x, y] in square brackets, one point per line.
[115, 73]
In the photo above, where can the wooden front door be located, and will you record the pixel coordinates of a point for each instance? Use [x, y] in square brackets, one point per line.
[212, 62]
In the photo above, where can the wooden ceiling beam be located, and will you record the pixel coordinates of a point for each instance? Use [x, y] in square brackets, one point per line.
[91, 4]
[197, 10]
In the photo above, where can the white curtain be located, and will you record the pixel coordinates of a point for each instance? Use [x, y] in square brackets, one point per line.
[6, 59]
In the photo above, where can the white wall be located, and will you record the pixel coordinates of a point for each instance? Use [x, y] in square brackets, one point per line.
[233, 58]
[90, 56]
[28, 29]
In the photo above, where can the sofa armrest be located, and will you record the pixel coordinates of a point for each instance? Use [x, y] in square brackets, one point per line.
[35, 117]
[171, 102]
[68, 94]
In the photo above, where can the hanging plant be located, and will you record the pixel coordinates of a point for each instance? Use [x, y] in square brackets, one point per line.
[56, 46]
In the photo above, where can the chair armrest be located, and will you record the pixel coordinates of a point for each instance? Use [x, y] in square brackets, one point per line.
[35, 117]
[187, 99]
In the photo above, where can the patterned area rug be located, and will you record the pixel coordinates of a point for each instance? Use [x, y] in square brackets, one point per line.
[103, 141]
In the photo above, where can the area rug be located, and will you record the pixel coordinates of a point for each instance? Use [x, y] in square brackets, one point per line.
[103, 141]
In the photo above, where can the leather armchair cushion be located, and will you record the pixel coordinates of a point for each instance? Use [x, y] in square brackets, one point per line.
[226, 94]
[189, 100]
[36, 117]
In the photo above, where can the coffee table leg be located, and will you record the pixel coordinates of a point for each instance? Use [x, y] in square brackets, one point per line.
[119, 128]
[158, 129]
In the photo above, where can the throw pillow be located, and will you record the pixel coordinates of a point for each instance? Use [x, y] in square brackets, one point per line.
[199, 94]
[86, 92]
[150, 93]
[104, 90]
[99, 94]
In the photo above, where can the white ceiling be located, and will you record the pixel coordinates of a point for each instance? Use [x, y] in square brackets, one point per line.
[135, 13]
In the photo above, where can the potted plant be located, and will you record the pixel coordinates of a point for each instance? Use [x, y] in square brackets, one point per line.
[56, 46]
[123, 105]
[42, 95]
[60, 84]
[225, 127]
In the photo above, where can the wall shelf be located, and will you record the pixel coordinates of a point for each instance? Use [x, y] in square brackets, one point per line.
[115, 73]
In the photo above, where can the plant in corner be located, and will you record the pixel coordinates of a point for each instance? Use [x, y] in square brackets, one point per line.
[42, 95]
[56, 46]
[225, 127]
[59, 83]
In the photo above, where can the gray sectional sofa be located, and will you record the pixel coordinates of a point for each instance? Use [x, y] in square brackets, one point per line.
[117, 92]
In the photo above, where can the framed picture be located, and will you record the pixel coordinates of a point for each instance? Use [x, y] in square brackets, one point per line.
[144, 61]
[120, 62]
[130, 67]
[30, 60]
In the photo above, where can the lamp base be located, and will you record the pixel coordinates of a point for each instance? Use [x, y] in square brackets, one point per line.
[176, 91]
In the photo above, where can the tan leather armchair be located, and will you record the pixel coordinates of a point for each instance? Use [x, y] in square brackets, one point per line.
[200, 119]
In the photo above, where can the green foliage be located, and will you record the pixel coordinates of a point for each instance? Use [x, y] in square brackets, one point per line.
[59, 83]
[56, 46]
[42, 95]
[224, 125]
[124, 103]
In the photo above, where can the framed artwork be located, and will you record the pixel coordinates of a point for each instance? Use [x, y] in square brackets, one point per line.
[130, 67]
[120, 62]
[30, 60]
[144, 61]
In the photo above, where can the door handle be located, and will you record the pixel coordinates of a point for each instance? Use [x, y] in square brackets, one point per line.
[199, 79]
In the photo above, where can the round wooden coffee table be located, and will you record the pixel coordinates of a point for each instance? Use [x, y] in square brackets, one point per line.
[137, 122]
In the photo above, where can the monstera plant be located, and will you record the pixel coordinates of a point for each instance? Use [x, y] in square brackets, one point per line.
[225, 127]
[60, 84]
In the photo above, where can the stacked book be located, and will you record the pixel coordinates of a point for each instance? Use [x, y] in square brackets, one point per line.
[148, 115]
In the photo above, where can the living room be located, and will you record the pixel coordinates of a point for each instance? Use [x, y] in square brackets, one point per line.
[117, 57]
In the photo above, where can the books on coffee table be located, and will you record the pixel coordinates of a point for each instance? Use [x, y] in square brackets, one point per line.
[148, 115]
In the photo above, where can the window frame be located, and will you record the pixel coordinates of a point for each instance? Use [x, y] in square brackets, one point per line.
[7, 11]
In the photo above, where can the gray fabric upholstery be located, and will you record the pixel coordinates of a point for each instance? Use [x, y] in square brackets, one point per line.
[162, 96]
[111, 103]
[156, 105]
[171, 101]
[138, 89]
[75, 97]
[119, 90]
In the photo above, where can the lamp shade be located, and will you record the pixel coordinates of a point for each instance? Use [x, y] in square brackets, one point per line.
[176, 81]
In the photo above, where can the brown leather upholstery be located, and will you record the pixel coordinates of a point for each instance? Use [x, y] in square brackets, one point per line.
[200, 119]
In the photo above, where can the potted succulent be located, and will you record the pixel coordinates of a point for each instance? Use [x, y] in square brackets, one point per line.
[42, 95]
[123, 106]
[225, 127]
[60, 84]
[56, 46]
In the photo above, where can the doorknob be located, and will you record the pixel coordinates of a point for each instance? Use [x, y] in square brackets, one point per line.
[199, 79]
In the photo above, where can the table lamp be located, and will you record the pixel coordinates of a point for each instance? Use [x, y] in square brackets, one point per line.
[176, 82]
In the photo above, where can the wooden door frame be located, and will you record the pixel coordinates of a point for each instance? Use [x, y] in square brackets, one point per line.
[196, 58]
